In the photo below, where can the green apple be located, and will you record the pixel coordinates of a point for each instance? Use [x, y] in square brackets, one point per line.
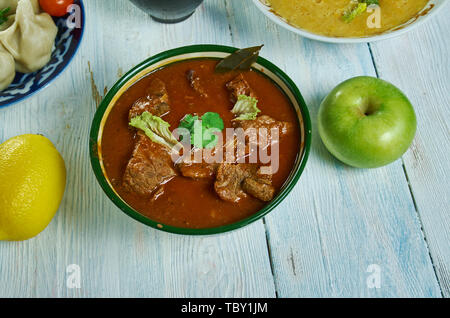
[366, 122]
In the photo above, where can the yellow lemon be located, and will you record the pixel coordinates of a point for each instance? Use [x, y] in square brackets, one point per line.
[32, 183]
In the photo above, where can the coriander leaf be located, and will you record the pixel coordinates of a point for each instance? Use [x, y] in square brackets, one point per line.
[188, 121]
[196, 134]
[358, 8]
[245, 108]
[212, 120]
[209, 137]
[350, 15]
[155, 128]
[203, 130]
[370, 2]
[3, 13]
[211, 124]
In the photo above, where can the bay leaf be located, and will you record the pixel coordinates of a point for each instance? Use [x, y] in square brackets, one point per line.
[241, 60]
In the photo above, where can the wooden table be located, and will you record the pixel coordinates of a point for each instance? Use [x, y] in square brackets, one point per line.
[339, 230]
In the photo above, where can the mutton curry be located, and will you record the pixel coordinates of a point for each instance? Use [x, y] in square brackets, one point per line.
[136, 144]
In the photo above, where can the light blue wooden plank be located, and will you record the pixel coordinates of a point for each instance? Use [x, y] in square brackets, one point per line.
[338, 220]
[422, 70]
[321, 238]
[118, 256]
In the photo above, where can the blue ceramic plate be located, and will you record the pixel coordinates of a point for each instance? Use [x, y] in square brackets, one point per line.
[66, 45]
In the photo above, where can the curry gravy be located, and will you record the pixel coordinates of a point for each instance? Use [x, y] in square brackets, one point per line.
[185, 202]
[325, 16]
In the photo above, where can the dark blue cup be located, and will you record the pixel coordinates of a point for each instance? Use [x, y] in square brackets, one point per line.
[168, 11]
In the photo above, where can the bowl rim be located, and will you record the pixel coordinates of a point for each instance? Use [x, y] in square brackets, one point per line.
[66, 65]
[200, 48]
[348, 40]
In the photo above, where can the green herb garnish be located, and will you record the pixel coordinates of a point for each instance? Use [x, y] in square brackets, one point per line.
[359, 8]
[203, 130]
[155, 128]
[245, 108]
[350, 15]
[370, 2]
[3, 13]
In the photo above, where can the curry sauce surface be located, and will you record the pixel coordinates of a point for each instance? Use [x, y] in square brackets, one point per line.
[185, 202]
[325, 16]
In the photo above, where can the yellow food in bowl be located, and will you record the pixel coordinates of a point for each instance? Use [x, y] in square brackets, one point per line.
[326, 17]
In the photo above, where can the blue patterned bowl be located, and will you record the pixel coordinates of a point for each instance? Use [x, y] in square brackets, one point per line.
[66, 45]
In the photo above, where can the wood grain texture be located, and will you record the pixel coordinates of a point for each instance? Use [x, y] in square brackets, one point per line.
[338, 220]
[422, 70]
[118, 256]
[318, 242]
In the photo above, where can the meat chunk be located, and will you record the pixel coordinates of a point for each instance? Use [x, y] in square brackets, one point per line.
[156, 102]
[194, 82]
[257, 184]
[195, 166]
[198, 170]
[149, 167]
[235, 181]
[262, 129]
[239, 86]
[266, 122]
[228, 182]
[258, 189]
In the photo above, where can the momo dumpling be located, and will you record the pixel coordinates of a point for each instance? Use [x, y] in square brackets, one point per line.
[12, 4]
[30, 39]
[10, 17]
[9, 21]
[7, 67]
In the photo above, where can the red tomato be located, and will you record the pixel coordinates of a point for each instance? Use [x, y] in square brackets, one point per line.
[56, 8]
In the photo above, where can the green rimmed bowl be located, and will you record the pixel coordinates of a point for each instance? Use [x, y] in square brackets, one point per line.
[176, 55]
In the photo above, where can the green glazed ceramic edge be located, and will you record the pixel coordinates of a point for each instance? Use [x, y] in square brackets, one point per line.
[289, 185]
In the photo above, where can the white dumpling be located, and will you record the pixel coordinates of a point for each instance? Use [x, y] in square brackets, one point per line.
[30, 39]
[12, 4]
[9, 21]
[7, 66]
